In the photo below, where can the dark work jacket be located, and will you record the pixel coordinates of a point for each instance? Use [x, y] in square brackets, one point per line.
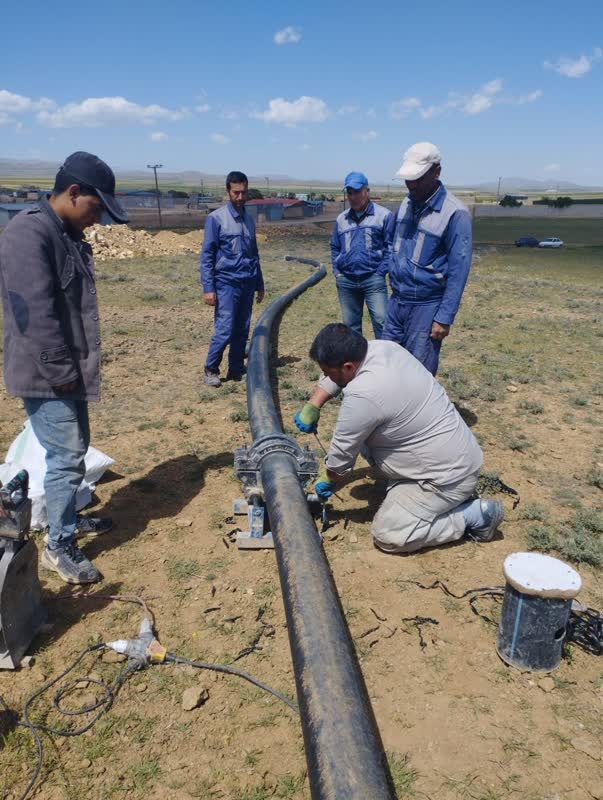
[51, 322]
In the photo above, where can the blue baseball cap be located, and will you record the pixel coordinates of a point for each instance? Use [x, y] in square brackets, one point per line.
[355, 180]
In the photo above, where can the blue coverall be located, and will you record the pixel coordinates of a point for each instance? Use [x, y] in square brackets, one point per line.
[428, 269]
[230, 267]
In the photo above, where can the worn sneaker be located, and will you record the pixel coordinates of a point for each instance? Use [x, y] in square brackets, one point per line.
[493, 513]
[92, 526]
[211, 378]
[70, 564]
[88, 526]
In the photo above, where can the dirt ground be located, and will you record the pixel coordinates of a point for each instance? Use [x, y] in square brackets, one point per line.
[523, 364]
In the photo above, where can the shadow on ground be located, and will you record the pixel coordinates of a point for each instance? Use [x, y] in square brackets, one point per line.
[469, 417]
[163, 492]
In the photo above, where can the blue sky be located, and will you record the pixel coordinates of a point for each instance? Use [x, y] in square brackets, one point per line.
[308, 89]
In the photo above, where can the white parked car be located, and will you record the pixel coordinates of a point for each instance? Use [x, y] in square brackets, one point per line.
[551, 241]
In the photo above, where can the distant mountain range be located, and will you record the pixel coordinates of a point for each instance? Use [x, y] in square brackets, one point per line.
[514, 185]
[30, 169]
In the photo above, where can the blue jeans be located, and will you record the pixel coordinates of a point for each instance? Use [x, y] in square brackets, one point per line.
[232, 318]
[410, 325]
[63, 430]
[354, 292]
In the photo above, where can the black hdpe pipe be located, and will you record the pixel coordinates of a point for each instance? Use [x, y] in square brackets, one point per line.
[344, 752]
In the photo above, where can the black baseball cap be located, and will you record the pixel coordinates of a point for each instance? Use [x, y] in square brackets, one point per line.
[90, 171]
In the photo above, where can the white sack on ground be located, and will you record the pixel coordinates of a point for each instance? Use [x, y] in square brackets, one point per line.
[26, 452]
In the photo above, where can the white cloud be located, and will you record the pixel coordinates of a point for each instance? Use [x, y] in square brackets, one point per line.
[369, 136]
[400, 108]
[575, 67]
[345, 110]
[529, 98]
[483, 99]
[158, 136]
[219, 138]
[288, 35]
[552, 168]
[203, 108]
[305, 147]
[97, 112]
[11, 103]
[230, 114]
[14, 103]
[434, 111]
[4, 118]
[292, 113]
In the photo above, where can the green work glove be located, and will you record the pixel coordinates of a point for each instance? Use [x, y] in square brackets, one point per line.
[307, 419]
[323, 487]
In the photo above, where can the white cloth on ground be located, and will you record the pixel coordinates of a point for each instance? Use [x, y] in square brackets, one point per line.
[26, 452]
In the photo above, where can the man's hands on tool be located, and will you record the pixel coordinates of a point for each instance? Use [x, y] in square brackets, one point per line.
[324, 487]
[307, 419]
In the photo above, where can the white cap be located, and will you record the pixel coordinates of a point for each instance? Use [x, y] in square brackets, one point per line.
[417, 160]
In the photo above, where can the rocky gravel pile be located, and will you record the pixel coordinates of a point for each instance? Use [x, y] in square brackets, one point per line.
[119, 242]
[116, 242]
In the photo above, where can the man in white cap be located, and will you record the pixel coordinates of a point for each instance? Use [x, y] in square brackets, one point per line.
[430, 259]
[359, 250]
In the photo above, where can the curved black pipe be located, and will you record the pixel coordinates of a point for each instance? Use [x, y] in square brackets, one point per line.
[343, 748]
[263, 416]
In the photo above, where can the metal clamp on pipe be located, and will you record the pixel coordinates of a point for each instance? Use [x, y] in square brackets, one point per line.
[248, 460]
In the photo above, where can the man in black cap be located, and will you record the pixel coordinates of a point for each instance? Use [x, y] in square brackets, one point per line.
[52, 341]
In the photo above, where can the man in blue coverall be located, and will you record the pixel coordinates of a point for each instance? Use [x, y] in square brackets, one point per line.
[230, 274]
[430, 259]
[359, 249]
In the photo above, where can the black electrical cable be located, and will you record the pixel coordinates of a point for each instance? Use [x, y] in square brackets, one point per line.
[35, 728]
[585, 627]
[232, 671]
[104, 704]
[438, 584]
[39, 747]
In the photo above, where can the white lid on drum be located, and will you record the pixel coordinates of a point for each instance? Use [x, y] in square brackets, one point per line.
[535, 573]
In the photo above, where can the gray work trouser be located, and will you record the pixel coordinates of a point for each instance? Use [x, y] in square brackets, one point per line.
[418, 514]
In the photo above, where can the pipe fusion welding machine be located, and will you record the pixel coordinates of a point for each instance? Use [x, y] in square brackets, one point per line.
[21, 610]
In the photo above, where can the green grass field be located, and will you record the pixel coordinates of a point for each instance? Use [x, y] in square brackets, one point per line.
[504, 230]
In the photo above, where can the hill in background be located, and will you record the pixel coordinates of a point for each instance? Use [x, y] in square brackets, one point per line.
[30, 171]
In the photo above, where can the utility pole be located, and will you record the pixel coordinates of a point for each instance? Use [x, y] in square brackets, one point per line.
[155, 167]
[267, 186]
[498, 190]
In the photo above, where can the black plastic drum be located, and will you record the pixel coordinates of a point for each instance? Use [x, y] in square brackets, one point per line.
[536, 610]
